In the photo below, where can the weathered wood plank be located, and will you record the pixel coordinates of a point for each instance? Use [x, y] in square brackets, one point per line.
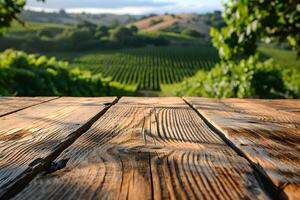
[151, 102]
[148, 151]
[10, 105]
[29, 138]
[268, 137]
[288, 105]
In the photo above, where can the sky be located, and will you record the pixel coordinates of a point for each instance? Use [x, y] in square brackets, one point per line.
[134, 7]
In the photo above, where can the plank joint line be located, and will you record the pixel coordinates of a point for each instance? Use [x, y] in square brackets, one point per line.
[263, 179]
[39, 167]
[14, 111]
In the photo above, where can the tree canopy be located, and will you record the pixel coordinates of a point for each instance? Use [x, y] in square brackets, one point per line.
[248, 21]
[241, 72]
[9, 10]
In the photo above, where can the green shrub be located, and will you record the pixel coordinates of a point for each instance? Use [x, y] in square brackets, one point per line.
[192, 33]
[48, 33]
[128, 37]
[102, 31]
[246, 78]
[154, 22]
[81, 37]
[121, 35]
[28, 75]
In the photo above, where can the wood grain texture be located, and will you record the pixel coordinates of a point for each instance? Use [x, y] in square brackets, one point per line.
[30, 136]
[148, 151]
[151, 102]
[268, 137]
[10, 105]
[288, 105]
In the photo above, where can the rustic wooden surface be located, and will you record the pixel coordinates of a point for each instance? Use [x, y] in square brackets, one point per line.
[10, 105]
[29, 137]
[142, 151]
[292, 106]
[268, 136]
[150, 148]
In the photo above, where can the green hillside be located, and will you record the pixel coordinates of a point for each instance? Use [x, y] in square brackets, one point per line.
[283, 57]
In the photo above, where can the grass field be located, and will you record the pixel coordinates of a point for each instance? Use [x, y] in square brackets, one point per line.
[147, 68]
[177, 38]
[284, 58]
[33, 26]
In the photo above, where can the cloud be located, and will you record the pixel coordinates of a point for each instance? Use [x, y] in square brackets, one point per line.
[103, 4]
[119, 11]
[136, 7]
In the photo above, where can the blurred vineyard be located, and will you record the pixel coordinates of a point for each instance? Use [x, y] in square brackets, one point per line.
[147, 68]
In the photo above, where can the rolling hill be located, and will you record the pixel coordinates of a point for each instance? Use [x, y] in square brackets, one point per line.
[169, 22]
[71, 18]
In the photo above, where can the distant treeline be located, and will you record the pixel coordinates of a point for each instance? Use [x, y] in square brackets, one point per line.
[214, 19]
[83, 36]
[63, 17]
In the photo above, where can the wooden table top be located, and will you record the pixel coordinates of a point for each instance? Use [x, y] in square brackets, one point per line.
[149, 148]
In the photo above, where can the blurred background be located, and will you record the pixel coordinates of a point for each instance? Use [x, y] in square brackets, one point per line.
[232, 48]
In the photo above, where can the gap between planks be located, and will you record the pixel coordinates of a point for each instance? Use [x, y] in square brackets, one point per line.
[31, 172]
[260, 174]
[28, 106]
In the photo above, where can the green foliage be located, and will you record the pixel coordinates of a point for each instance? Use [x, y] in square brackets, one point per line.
[247, 78]
[84, 36]
[102, 31]
[134, 29]
[86, 25]
[128, 37]
[121, 37]
[28, 75]
[154, 22]
[248, 21]
[122, 34]
[192, 33]
[213, 19]
[76, 38]
[9, 10]
[240, 72]
[47, 33]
